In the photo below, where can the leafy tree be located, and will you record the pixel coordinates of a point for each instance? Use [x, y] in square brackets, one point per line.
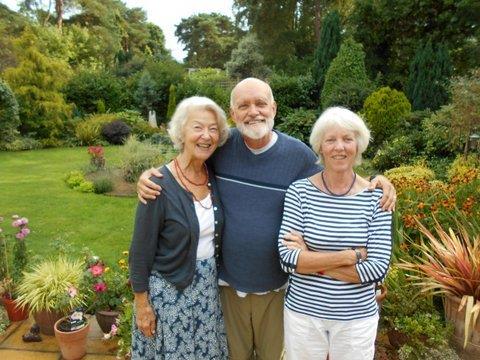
[247, 59]
[37, 82]
[428, 81]
[391, 31]
[466, 108]
[86, 88]
[208, 39]
[172, 101]
[298, 124]
[346, 70]
[9, 120]
[328, 46]
[146, 93]
[384, 110]
[212, 83]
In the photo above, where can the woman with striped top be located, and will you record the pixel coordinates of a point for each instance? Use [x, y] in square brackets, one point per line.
[335, 242]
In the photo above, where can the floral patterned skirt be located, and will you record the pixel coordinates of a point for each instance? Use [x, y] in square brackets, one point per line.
[189, 321]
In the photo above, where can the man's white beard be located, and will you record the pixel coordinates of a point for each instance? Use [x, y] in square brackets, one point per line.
[258, 132]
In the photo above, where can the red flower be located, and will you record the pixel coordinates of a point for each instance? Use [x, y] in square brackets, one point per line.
[100, 287]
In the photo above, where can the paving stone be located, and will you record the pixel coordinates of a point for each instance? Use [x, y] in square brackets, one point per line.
[6, 354]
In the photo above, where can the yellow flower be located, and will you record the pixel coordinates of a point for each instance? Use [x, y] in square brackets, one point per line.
[122, 262]
[106, 269]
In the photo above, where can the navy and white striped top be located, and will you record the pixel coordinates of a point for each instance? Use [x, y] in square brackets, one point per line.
[332, 223]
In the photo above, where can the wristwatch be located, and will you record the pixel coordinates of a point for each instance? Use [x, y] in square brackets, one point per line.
[358, 254]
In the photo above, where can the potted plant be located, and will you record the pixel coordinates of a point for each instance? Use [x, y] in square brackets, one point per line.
[449, 263]
[107, 287]
[71, 334]
[13, 260]
[49, 291]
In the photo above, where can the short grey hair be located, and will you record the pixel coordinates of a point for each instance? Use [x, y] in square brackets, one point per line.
[251, 79]
[340, 117]
[180, 117]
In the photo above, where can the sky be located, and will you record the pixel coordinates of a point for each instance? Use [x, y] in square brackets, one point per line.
[168, 13]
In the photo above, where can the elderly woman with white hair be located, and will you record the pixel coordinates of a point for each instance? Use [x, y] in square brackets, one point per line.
[335, 242]
[176, 245]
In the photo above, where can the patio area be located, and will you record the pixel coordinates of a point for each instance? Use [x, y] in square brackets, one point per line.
[12, 347]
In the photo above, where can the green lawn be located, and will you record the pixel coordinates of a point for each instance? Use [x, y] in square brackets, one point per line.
[31, 185]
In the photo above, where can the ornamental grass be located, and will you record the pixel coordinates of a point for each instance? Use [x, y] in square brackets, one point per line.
[449, 263]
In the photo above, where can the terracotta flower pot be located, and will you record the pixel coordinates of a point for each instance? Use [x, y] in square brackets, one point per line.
[457, 318]
[106, 319]
[14, 313]
[46, 321]
[73, 344]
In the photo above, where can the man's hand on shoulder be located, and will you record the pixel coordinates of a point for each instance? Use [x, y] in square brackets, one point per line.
[147, 189]
[387, 202]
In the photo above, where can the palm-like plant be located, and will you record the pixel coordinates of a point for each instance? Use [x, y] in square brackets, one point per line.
[449, 263]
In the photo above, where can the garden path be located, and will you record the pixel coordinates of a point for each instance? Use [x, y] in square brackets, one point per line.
[13, 348]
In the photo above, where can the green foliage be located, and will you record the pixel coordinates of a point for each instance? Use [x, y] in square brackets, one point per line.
[138, 156]
[298, 123]
[399, 151]
[327, 48]
[347, 69]
[247, 59]
[9, 120]
[88, 131]
[351, 96]
[466, 108]
[208, 39]
[124, 332]
[87, 88]
[444, 352]
[102, 185]
[291, 92]
[384, 110]
[410, 173]
[164, 73]
[21, 143]
[172, 101]
[430, 70]
[36, 82]
[436, 133]
[4, 322]
[76, 180]
[464, 168]
[211, 83]
[146, 93]
[46, 286]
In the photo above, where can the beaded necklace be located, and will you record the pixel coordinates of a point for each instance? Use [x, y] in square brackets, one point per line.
[179, 172]
[334, 194]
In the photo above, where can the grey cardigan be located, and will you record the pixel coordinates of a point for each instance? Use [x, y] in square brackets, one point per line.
[165, 237]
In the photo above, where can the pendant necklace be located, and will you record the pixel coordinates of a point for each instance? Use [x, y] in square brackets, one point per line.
[334, 194]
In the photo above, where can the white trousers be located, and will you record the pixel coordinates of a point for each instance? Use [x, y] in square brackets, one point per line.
[310, 338]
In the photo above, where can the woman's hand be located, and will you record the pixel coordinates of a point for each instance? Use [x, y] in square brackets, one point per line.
[294, 240]
[145, 316]
[147, 189]
[387, 202]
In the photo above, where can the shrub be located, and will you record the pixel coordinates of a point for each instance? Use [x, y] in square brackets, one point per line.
[464, 170]
[383, 111]
[9, 120]
[102, 185]
[351, 96]
[89, 89]
[22, 143]
[291, 92]
[138, 156]
[76, 180]
[116, 132]
[299, 124]
[411, 175]
[88, 131]
[247, 59]
[144, 131]
[211, 83]
[399, 151]
[436, 129]
[347, 68]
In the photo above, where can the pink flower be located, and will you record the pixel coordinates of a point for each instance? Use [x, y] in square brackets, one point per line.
[100, 287]
[16, 223]
[20, 235]
[96, 269]
[113, 330]
[72, 291]
[25, 231]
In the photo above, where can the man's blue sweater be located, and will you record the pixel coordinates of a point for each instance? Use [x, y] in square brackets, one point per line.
[252, 189]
